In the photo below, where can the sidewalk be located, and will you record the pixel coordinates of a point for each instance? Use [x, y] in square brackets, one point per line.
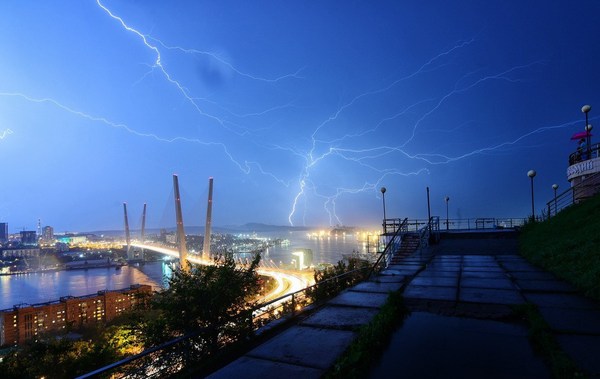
[462, 323]
[470, 291]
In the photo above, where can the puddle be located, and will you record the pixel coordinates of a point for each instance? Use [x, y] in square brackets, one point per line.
[434, 346]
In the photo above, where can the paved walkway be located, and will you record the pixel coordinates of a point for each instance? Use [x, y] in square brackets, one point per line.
[473, 277]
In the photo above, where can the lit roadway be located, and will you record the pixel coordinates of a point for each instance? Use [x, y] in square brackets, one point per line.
[288, 281]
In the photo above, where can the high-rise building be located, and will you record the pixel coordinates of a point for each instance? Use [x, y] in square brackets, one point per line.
[29, 237]
[48, 233]
[3, 232]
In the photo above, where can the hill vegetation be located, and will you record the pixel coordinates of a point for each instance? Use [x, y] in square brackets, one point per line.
[568, 245]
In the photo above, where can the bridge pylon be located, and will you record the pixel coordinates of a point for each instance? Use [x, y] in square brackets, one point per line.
[127, 235]
[207, 227]
[180, 231]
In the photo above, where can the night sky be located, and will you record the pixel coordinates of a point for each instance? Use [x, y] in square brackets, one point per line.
[300, 110]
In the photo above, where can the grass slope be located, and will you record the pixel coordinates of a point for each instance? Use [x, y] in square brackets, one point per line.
[568, 245]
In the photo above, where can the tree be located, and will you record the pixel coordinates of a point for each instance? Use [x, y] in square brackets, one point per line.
[210, 302]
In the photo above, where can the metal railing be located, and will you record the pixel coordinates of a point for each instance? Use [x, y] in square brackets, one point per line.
[479, 223]
[582, 155]
[170, 357]
[590, 185]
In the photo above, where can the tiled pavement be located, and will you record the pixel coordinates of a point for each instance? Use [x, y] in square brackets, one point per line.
[457, 278]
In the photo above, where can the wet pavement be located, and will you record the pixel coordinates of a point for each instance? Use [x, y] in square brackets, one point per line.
[435, 346]
[462, 325]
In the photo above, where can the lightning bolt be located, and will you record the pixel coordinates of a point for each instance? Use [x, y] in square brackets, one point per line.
[5, 133]
[243, 167]
[158, 65]
[227, 64]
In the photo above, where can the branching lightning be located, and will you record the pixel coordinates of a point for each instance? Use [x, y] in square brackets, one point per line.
[5, 133]
[216, 57]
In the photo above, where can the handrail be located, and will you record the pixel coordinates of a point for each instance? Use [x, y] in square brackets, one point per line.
[582, 155]
[389, 249]
[569, 196]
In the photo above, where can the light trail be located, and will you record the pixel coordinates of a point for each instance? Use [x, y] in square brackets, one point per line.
[295, 281]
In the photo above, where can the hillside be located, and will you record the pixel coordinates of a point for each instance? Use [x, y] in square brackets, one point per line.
[568, 245]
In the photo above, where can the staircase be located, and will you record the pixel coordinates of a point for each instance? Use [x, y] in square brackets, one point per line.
[410, 243]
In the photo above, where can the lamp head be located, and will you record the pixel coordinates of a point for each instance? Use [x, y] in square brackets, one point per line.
[531, 173]
[586, 108]
[555, 187]
[383, 190]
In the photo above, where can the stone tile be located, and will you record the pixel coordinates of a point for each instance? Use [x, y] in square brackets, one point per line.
[341, 317]
[561, 300]
[503, 283]
[532, 275]
[435, 281]
[483, 275]
[433, 346]
[376, 287]
[359, 299]
[491, 296]
[583, 350]
[429, 273]
[545, 286]
[430, 293]
[389, 272]
[496, 269]
[389, 279]
[404, 267]
[583, 321]
[254, 368]
[520, 266]
[306, 346]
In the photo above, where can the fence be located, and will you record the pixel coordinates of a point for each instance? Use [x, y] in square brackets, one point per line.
[590, 185]
[457, 224]
[173, 356]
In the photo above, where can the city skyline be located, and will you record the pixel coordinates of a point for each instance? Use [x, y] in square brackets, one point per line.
[300, 112]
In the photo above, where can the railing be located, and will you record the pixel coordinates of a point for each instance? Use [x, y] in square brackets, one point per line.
[463, 223]
[170, 357]
[590, 185]
[582, 155]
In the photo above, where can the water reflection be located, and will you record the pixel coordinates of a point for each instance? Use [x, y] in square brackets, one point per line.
[39, 288]
[43, 287]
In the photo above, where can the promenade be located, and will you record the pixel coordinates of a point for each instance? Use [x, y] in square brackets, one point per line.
[461, 294]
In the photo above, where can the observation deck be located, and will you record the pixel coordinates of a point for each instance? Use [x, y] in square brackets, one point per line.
[582, 164]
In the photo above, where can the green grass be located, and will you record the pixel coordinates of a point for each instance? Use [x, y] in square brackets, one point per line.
[568, 245]
[372, 339]
[545, 344]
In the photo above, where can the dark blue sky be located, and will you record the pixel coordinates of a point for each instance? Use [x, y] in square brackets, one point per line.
[301, 111]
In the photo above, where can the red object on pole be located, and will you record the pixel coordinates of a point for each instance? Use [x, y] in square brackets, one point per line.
[581, 135]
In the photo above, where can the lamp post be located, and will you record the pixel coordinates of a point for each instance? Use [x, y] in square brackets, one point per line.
[447, 224]
[531, 174]
[588, 129]
[555, 187]
[384, 223]
[586, 109]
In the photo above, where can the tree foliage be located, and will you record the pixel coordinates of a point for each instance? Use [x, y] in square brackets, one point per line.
[334, 279]
[210, 301]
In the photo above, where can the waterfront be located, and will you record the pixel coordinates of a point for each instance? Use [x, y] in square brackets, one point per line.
[50, 286]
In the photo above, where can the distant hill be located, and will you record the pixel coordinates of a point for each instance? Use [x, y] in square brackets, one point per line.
[246, 228]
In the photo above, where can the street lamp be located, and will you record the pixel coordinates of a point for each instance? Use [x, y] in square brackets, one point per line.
[586, 109]
[383, 195]
[531, 174]
[555, 187]
[447, 224]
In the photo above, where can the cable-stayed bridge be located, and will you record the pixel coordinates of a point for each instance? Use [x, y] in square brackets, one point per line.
[288, 281]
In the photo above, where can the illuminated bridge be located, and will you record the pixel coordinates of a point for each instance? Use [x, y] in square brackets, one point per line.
[288, 281]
